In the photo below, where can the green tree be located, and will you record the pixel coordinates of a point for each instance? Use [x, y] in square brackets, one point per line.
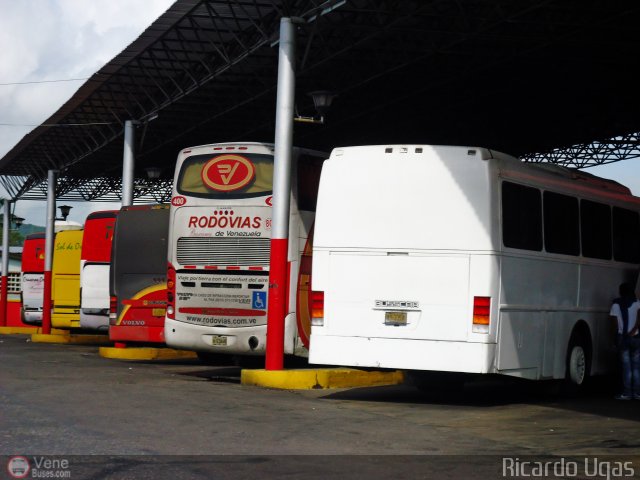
[16, 239]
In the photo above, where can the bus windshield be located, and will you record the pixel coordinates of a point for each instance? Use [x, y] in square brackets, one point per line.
[227, 175]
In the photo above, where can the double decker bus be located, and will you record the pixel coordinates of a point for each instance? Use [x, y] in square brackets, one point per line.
[137, 277]
[94, 270]
[219, 248]
[463, 259]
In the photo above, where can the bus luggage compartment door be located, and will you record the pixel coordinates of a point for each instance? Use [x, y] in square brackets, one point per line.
[396, 295]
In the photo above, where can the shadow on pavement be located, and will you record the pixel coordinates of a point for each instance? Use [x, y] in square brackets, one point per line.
[491, 391]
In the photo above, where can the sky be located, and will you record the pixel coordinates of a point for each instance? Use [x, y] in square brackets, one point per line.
[58, 40]
[68, 39]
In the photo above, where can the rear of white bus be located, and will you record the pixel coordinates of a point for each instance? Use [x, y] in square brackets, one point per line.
[405, 269]
[219, 246]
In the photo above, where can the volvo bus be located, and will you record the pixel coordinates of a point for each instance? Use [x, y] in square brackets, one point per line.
[137, 278]
[65, 279]
[94, 270]
[463, 259]
[219, 248]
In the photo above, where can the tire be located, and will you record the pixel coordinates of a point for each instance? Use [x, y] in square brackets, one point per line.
[578, 362]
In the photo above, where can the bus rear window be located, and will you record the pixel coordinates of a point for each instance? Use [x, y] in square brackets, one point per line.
[227, 175]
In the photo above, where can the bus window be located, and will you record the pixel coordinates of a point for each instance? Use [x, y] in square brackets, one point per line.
[215, 176]
[561, 225]
[626, 231]
[521, 217]
[595, 228]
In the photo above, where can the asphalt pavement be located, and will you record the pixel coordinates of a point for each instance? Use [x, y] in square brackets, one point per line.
[182, 419]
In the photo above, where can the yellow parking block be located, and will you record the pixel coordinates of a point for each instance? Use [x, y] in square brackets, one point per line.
[306, 379]
[17, 330]
[145, 353]
[64, 336]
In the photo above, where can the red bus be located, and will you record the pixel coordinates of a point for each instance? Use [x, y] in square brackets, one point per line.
[32, 288]
[138, 275]
[94, 270]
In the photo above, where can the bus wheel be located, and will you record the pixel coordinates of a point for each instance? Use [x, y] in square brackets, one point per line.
[578, 361]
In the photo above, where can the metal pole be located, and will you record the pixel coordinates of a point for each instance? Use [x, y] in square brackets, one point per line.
[128, 163]
[49, 238]
[278, 283]
[4, 284]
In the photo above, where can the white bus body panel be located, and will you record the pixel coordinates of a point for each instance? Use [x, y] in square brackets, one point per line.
[94, 299]
[32, 297]
[423, 227]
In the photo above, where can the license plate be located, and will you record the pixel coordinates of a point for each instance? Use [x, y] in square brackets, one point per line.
[395, 318]
[158, 312]
[219, 341]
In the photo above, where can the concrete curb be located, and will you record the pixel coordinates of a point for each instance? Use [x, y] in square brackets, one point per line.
[17, 330]
[145, 353]
[306, 379]
[70, 338]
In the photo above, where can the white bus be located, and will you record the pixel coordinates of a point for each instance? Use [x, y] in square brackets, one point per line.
[462, 259]
[219, 248]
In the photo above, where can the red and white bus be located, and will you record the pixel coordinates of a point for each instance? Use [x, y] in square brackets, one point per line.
[219, 248]
[137, 277]
[32, 278]
[94, 270]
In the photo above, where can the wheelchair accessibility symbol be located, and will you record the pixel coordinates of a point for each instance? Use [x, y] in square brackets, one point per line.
[259, 300]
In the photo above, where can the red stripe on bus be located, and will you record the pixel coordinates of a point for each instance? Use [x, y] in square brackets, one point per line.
[189, 266]
[256, 268]
[233, 268]
[230, 312]
[211, 267]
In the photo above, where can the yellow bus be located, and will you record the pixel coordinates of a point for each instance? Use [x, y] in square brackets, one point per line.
[65, 283]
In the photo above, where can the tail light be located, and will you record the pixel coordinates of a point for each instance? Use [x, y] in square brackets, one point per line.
[113, 310]
[171, 291]
[317, 309]
[481, 314]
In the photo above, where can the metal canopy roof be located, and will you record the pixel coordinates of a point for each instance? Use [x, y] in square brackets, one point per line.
[520, 77]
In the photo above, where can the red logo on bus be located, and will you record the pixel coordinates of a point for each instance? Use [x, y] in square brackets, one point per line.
[226, 173]
[178, 201]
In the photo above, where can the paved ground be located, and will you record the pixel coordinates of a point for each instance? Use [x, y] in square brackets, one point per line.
[196, 421]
